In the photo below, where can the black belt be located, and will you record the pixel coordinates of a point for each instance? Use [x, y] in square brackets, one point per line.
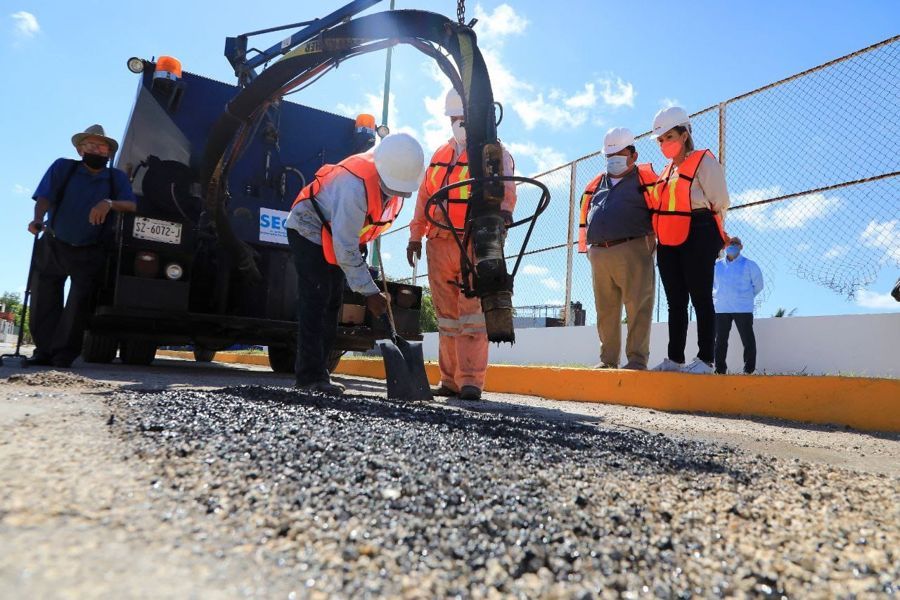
[615, 242]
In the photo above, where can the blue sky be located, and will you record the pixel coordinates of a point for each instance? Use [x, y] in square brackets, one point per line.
[564, 71]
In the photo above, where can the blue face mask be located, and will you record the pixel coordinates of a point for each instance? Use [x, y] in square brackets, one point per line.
[733, 251]
[616, 165]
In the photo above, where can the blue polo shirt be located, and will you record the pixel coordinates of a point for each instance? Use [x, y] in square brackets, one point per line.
[84, 191]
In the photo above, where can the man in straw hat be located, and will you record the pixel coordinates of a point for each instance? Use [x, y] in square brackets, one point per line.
[76, 198]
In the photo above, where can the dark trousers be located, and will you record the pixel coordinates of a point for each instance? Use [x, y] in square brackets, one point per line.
[744, 322]
[686, 272]
[320, 289]
[58, 329]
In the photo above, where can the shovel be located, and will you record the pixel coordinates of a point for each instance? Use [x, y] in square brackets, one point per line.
[17, 360]
[404, 363]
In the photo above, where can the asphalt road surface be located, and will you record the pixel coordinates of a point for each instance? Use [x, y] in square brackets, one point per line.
[208, 480]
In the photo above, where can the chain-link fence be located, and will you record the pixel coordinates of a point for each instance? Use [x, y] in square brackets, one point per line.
[813, 170]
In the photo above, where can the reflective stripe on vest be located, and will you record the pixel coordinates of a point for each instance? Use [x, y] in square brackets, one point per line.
[379, 214]
[647, 180]
[442, 172]
[672, 217]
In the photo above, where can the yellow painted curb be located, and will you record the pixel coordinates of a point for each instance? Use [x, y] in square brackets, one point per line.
[226, 357]
[862, 403]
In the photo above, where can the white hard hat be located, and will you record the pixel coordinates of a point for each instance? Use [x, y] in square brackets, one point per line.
[453, 104]
[617, 139]
[668, 118]
[400, 162]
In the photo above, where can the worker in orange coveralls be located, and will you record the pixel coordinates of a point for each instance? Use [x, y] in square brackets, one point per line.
[463, 343]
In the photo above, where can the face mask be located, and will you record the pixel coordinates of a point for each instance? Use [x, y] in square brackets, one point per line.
[94, 161]
[616, 165]
[459, 133]
[671, 148]
[732, 251]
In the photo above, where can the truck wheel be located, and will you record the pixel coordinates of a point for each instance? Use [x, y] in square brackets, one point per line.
[137, 352]
[282, 358]
[333, 359]
[99, 348]
[203, 354]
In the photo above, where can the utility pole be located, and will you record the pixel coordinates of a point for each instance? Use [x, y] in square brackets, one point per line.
[384, 121]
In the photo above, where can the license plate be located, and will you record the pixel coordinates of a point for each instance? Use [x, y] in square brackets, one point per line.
[155, 230]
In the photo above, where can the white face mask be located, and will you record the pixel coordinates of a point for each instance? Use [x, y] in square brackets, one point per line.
[459, 133]
[616, 165]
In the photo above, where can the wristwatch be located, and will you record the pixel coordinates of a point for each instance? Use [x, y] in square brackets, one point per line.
[109, 202]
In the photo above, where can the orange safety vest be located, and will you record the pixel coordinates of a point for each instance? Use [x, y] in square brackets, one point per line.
[443, 171]
[672, 217]
[647, 178]
[379, 214]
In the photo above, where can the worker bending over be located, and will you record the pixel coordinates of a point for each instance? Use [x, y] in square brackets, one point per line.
[463, 343]
[346, 206]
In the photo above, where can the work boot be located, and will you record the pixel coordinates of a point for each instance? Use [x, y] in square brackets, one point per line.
[635, 366]
[321, 387]
[469, 392]
[603, 365]
[340, 386]
[39, 360]
[444, 391]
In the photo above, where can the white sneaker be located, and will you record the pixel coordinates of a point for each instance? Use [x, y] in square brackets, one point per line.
[698, 367]
[668, 365]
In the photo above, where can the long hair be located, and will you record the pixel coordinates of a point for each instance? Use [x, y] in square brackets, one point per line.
[689, 144]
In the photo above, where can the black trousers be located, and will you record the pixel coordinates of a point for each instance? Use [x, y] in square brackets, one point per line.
[57, 328]
[744, 322]
[686, 272]
[320, 289]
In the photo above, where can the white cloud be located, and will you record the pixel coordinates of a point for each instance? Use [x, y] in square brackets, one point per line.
[386, 256]
[870, 299]
[585, 99]
[623, 95]
[836, 251]
[26, 24]
[537, 110]
[669, 102]
[503, 21]
[883, 235]
[551, 283]
[535, 270]
[20, 190]
[543, 157]
[795, 213]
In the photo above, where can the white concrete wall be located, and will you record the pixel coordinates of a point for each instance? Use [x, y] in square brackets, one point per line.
[848, 344]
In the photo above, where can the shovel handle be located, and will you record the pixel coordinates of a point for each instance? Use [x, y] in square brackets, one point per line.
[389, 320]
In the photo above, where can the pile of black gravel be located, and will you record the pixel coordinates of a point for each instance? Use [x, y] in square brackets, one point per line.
[359, 496]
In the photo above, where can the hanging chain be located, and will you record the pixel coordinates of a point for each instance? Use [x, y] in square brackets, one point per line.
[461, 11]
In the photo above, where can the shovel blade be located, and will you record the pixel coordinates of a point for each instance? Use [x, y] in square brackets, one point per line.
[12, 360]
[404, 367]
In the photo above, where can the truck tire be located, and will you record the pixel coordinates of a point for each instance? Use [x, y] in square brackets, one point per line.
[137, 352]
[282, 358]
[99, 348]
[204, 354]
[333, 359]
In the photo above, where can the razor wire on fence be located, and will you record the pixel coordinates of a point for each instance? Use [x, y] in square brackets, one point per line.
[812, 164]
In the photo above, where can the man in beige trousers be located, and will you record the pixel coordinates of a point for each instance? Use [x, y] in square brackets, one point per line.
[616, 231]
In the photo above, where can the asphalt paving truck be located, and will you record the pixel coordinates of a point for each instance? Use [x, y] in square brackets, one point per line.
[216, 167]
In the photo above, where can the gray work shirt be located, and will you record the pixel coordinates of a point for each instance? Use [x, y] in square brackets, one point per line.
[619, 211]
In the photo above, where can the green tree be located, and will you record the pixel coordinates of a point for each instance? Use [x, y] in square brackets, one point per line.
[13, 303]
[783, 312]
[427, 316]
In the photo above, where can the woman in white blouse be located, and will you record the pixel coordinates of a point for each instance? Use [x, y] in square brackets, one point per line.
[692, 199]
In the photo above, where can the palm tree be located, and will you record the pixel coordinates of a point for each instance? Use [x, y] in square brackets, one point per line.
[783, 312]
